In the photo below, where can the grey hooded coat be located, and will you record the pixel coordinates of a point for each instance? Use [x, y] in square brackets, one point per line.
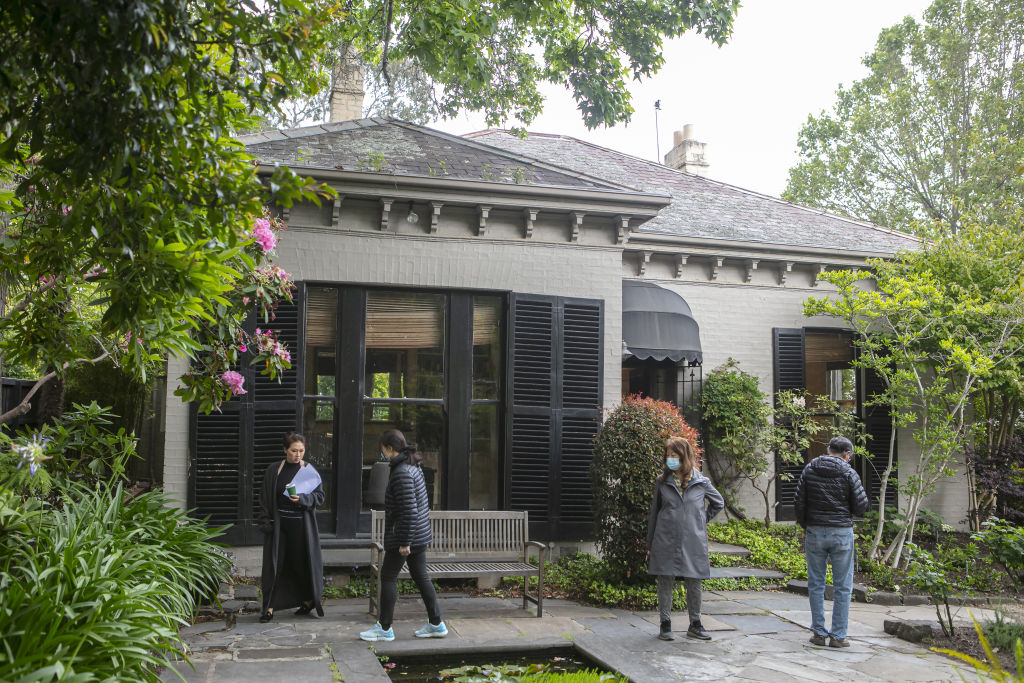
[677, 527]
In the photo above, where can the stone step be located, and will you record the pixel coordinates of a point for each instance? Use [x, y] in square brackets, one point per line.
[743, 572]
[726, 549]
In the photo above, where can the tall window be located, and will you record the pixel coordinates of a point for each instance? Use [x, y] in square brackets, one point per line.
[320, 394]
[828, 370]
[405, 380]
[484, 474]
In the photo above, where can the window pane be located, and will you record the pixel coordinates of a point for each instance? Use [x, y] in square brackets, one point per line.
[422, 425]
[487, 347]
[404, 345]
[483, 458]
[318, 428]
[321, 331]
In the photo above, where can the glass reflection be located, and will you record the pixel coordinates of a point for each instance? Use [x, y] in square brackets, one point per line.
[486, 347]
[483, 458]
[321, 333]
[318, 428]
[422, 425]
[404, 346]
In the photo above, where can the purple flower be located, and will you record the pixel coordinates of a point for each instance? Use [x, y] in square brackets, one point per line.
[234, 382]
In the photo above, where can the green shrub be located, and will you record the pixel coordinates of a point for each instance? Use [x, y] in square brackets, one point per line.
[97, 588]
[81, 446]
[737, 419]
[928, 575]
[1003, 634]
[628, 456]
[588, 676]
[1005, 542]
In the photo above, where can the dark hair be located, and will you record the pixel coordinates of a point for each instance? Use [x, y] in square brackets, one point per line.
[396, 440]
[292, 437]
[839, 445]
[682, 449]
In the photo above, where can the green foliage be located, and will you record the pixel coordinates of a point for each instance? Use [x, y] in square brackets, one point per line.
[991, 668]
[131, 210]
[1005, 542]
[938, 326]
[97, 589]
[927, 574]
[628, 456]
[591, 581]
[737, 418]
[1002, 633]
[493, 57]
[777, 547]
[521, 673]
[933, 131]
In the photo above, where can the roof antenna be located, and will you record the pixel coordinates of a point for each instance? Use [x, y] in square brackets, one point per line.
[657, 141]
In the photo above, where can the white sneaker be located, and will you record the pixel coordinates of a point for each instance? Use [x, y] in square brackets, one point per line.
[377, 633]
[431, 631]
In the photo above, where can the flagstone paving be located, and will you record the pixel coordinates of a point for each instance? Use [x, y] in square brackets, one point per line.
[757, 636]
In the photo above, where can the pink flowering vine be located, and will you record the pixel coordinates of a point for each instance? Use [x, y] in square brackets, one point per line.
[263, 235]
[234, 382]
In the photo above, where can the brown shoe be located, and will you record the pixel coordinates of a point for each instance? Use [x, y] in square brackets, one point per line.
[834, 642]
[818, 640]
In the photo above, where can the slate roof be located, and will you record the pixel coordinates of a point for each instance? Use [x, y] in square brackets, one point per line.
[385, 145]
[702, 207]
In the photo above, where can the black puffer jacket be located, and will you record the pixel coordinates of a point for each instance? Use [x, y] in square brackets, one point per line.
[829, 493]
[407, 513]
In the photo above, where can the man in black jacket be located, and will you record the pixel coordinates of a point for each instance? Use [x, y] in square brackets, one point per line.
[828, 496]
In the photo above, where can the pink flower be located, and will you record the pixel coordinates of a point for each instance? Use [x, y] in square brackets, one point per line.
[283, 355]
[246, 300]
[264, 235]
[234, 382]
[243, 348]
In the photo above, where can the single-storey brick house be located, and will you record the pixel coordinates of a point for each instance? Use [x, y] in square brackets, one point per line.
[491, 295]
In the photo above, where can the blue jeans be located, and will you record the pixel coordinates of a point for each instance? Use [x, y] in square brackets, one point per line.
[822, 543]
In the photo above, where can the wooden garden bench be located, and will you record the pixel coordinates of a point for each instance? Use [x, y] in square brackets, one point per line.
[470, 543]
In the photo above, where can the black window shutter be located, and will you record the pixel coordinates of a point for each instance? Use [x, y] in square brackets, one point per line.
[878, 427]
[216, 474]
[531, 406]
[231, 449]
[555, 386]
[275, 404]
[788, 364]
[581, 373]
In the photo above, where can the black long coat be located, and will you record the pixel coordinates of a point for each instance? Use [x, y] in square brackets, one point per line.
[270, 525]
[406, 506]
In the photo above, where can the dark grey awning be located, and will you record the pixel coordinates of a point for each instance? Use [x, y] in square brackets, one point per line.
[658, 324]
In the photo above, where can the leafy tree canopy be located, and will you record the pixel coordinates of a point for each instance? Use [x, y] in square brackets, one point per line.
[492, 56]
[129, 210]
[934, 131]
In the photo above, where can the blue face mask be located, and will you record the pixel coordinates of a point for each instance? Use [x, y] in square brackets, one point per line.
[672, 463]
[383, 457]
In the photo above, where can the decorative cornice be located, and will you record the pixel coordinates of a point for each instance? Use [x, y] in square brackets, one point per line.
[385, 212]
[529, 216]
[482, 227]
[435, 216]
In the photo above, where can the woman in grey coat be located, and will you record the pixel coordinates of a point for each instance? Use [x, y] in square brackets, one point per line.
[684, 502]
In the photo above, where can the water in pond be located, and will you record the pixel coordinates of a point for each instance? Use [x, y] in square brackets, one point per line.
[498, 666]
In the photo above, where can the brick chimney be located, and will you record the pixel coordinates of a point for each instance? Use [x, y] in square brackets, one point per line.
[688, 154]
[347, 88]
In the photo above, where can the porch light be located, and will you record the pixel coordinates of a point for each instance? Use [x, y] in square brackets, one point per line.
[413, 217]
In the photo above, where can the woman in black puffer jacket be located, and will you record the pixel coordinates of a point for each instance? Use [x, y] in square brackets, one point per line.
[406, 537]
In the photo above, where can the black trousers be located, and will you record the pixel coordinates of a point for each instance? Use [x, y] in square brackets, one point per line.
[292, 586]
[393, 563]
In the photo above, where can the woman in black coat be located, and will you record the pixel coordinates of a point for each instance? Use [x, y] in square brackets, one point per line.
[292, 566]
[406, 537]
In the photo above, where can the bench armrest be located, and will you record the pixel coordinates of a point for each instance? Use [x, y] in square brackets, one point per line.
[376, 550]
[541, 548]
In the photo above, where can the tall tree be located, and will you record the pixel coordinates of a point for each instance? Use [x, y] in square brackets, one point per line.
[935, 131]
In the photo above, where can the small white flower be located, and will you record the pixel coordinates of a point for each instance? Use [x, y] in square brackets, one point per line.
[800, 401]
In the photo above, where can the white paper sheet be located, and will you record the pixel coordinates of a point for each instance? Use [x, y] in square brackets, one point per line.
[306, 480]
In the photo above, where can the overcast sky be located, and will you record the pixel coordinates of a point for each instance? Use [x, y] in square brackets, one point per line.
[747, 99]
